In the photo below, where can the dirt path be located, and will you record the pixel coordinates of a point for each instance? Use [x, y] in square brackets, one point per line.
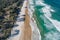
[27, 28]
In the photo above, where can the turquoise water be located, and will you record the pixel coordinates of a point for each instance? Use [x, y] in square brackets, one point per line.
[45, 19]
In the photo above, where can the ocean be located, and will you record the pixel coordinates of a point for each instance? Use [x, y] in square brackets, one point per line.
[47, 16]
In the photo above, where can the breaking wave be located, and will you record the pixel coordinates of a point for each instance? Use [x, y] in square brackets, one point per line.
[47, 15]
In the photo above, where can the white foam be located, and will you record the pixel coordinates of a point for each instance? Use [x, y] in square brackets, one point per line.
[47, 12]
[36, 33]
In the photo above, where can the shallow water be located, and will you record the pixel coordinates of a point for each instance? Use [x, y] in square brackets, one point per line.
[47, 17]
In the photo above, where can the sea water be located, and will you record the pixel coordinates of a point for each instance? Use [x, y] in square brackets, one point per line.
[47, 17]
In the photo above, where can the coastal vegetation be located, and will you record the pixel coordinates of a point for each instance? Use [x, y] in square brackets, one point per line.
[9, 10]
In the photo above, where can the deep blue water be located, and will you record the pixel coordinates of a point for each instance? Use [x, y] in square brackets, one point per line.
[55, 4]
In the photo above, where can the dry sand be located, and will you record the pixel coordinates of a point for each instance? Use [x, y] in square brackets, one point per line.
[27, 28]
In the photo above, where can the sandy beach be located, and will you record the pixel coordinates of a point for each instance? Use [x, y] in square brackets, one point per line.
[27, 29]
